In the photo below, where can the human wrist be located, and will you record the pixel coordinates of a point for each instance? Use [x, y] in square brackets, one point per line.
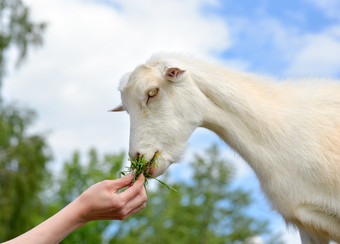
[67, 220]
[80, 211]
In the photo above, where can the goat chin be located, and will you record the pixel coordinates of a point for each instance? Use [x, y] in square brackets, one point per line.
[159, 169]
[154, 172]
[288, 132]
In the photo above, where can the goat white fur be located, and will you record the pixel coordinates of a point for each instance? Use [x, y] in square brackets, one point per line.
[288, 132]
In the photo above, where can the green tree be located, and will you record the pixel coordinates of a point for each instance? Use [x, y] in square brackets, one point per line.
[206, 209]
[76, 176]
[23, 155]
[23, 159]
[17, 30]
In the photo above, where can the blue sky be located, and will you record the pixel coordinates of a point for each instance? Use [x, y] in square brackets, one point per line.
[300, 14]
[264, 22]
[90, 44]
[256, 44]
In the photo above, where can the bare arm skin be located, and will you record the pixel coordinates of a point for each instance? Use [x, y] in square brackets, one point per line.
[99, 202]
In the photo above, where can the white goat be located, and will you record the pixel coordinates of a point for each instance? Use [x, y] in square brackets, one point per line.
[288, 132]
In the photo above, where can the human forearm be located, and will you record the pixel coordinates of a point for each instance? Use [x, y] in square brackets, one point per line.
[100, 202]
[56, 228]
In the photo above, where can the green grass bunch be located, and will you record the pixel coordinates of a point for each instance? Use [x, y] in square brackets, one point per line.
[140, 165]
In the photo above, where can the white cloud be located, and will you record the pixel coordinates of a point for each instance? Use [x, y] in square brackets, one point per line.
[72, 81]
[319, 54]
[255, 240]
[330, 7]
[291, 236]
[304, 52]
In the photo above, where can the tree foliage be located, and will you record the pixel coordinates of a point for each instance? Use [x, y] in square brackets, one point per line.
[77, 175]
[17, 30]
[23, 156]
[23, 159]
[205, 209]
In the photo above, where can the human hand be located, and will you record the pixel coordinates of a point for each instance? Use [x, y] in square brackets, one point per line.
[103, 202]
[99, 202]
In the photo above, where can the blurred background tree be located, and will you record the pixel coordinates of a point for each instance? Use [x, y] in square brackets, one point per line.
[76, 176]
[23, 172]
[206, 208]
[17, 31]
[23, 155]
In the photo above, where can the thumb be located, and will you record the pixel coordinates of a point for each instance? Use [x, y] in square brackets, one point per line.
[122, 182]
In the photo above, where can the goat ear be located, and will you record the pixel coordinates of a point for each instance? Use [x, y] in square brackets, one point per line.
[174, 74]
[120, 108]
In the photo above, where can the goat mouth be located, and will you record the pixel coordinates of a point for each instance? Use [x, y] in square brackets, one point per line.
[152, 165]
[150, 172]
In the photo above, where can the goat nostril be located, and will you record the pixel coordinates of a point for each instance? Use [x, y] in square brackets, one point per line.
[137, 155]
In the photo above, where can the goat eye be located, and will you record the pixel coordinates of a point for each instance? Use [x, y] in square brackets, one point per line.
[153, 92]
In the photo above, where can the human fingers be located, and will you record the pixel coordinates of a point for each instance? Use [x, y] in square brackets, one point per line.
[138, 199]
[136, 210]
[122, 182]
[135, 189]
[136, 204]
